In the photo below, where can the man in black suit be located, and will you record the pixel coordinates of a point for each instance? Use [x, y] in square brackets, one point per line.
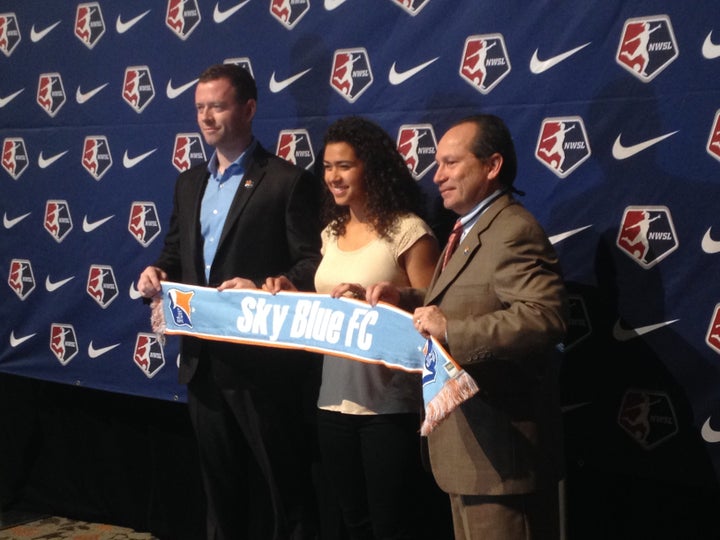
[237, 219]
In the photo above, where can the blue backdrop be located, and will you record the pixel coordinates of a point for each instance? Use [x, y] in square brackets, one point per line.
[615, 112]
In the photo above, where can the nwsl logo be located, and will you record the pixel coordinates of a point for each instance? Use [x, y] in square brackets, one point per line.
[188, 151]
[21, 278]
[182, 17]
[89, 24]
[647, 234]
[58, 221]
[294, 146]
[413, 7]
[138, 88]
[351, 74]
[243, 62]
[148, 355]
[101, 285]
[180, 306]
[713, 334]
[144, 224]
[14, 156]
[50, 93]
[648, 417]
[713, 144]
[9, 33]
[96, 158]
[63, 342]
[647, 46]
[562, 144]
[289, 12]
[485, 62]
[417, 146]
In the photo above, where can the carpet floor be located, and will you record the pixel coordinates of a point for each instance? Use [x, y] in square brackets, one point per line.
[60, 528]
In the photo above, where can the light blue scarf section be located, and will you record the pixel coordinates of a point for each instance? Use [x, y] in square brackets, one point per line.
[319, 323]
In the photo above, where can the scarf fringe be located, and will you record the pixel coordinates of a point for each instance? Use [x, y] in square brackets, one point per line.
[452, 394]
[157, 318]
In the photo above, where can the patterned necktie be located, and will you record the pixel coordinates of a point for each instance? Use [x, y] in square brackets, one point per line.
[452, 244]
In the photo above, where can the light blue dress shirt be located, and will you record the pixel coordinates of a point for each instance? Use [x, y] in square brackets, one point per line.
[216, 201]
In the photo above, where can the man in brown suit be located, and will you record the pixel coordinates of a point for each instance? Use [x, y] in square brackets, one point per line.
[498, 303]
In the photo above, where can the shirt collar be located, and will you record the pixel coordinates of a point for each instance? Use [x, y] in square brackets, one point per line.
[469, 219]
[240, 162]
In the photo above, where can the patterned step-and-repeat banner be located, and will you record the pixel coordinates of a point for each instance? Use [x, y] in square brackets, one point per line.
[615, 110]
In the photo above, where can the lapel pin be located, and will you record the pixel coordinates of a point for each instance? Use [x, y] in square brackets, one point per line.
[248, 183]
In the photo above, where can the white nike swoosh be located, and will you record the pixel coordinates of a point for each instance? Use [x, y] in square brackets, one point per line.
[44, 162]
[122, 27]
[4, 101]
[10, 223]
[37, 36]
[129, 162]
[625, 334]
[220, 16]
[537, 66]
[55, 285]
[15, 341]
[172, 93]
[279, 86]
[89, 226]
[332, 4]
[134, 293]
[623, 152]
[568, 408]
[709, 49]
[94, 353]
[708, 433]
[398, 77]
[82, 97]
[562, 236]
[709, 245]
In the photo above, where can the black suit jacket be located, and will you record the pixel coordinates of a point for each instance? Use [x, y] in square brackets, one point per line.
[272, 228]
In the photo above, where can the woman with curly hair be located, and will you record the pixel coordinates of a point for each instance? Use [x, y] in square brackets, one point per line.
[369, 415]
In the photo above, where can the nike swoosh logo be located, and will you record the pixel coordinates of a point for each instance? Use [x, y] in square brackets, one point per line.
[94, 353]
[619, 151]
[122, 27]
[562, 236]
[134, 293]
[568, 408]
[129, 162]
[220, 16]
[538, 66]
[625, 334]
[10, 223]
[279, 86]
[4, 101]
[15, 341]
[709, 245]
[82, 97]
[332, 4]
[398, 77]
[172, 92]
[89, 226]
[52, 286]
[44, 162]
[708, 433]
[37, 36]
[709, 49]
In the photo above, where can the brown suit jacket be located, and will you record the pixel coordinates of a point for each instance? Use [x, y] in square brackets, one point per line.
[504, 298]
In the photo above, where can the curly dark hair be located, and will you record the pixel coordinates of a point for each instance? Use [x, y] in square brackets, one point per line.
[390, 187]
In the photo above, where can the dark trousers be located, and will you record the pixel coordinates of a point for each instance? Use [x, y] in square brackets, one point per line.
[374, 467]
[255, 455]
